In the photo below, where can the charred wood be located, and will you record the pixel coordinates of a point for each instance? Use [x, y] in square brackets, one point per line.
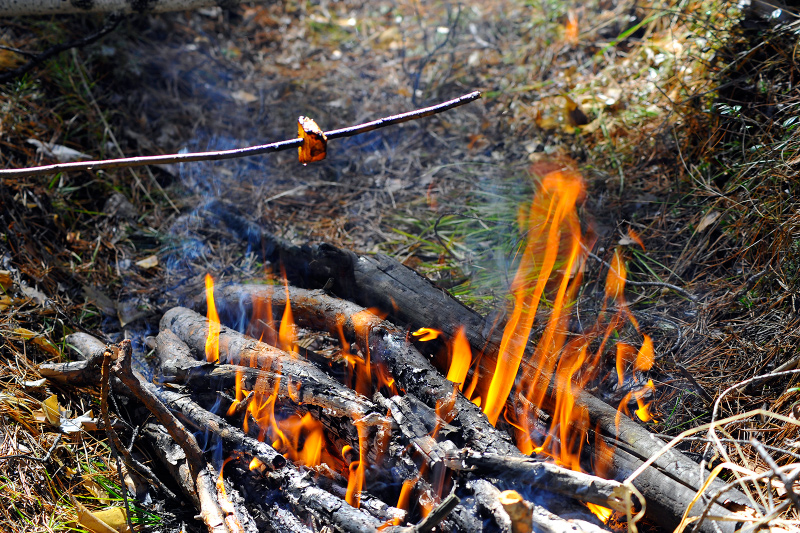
[593, 489]
[204, 481]
[302, 493]
[382, 282]
[237, 349]
[487, 497]
[231, 437]
[386, 345]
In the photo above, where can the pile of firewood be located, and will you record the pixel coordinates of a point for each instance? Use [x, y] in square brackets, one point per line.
[424, 436]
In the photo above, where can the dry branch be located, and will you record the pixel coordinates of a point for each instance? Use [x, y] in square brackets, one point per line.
[204, 481]
[525, 469]
[85, 346]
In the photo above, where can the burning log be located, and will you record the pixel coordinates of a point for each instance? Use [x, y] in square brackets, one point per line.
[379, 281]
[257, 358]
[232, 438]
[387, 345]
[528, 470]
[303, 493]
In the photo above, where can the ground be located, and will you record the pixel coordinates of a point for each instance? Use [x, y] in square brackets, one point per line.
[680, 117]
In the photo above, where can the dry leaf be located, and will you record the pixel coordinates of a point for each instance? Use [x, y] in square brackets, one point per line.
[315, 143]
[111, 520]
[38, 340]
[58, 151]
[574, 114]
[96, 490]
[707, 220]
[148, 262]
[6, 281]
[52, 411]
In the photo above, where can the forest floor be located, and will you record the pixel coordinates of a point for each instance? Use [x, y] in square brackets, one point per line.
[680, 117]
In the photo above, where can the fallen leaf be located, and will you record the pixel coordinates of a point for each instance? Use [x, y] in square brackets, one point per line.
[35, 384]
[51, 410]
[574, 114]
[315, 143]
[38, 340]
[6, 281]
[707, 220]
[148, 262]
[34, 294]
[389, 36]
[96, 490]
[113, 520]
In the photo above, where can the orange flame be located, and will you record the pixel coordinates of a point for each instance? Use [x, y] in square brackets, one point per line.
[212, 341]
[426, 334]
[287, 333]
[551, 214]
[355, 481]
[460, 360]
[603, 513]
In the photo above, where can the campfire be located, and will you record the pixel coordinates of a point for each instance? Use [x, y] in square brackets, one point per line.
[350, 393]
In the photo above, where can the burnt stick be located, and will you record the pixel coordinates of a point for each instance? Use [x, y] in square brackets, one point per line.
[204, 481]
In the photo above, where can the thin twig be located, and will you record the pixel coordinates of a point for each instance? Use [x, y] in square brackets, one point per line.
[682, 292]
[113, 440]
[436, 515]
[239, 152]
[30, 457]
[117, 447]
[112, 22]
[787, 483]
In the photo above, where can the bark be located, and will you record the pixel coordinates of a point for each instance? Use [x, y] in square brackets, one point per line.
[85, 346]
[15, 8]
[593, 489]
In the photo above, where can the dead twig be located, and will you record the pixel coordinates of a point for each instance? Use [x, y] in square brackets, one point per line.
[239, 152]
[683, 292]
[30, 457]
[437, 515]
[203, 479]
[113, 440]
[112, 22]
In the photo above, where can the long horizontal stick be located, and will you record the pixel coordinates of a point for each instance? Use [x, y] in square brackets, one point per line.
[239, 152]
